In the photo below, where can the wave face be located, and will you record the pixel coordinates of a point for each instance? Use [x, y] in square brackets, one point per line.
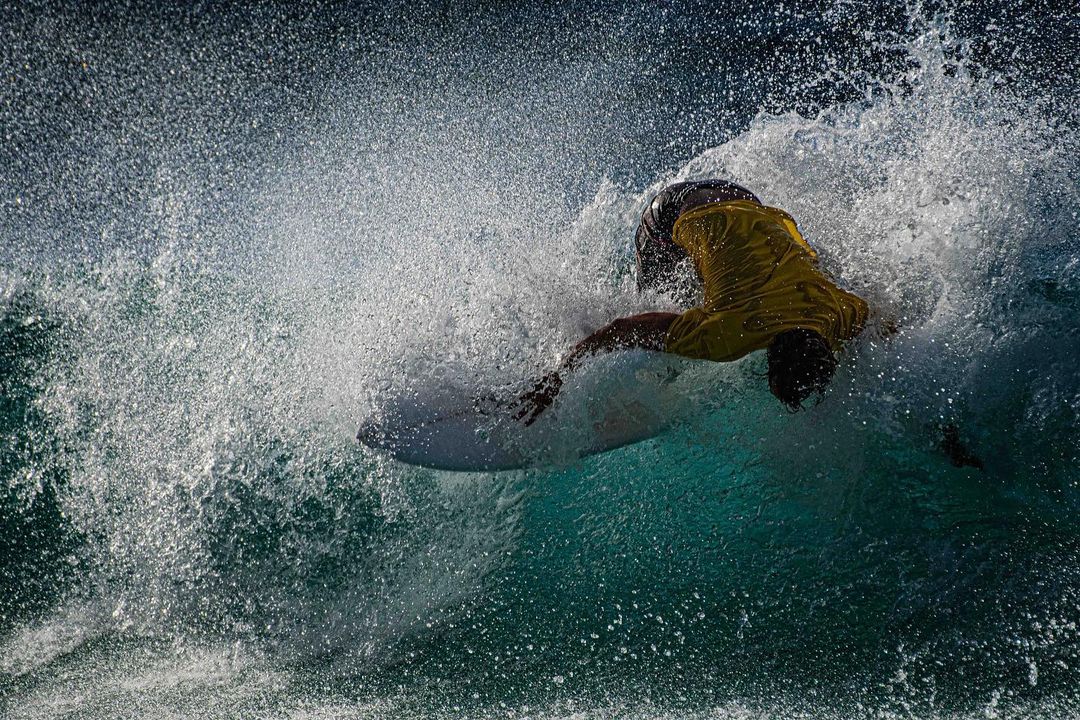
[227, 235]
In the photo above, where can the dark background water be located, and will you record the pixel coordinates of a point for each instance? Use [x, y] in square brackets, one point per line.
[219, 227]
[96, 95]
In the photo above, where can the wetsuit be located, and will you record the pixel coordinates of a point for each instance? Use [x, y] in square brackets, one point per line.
[654, 235]
[759, 276]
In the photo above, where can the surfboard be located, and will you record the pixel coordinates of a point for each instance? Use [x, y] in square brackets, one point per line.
[608, 403]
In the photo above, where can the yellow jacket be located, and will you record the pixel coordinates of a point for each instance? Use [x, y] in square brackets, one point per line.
[760, 278]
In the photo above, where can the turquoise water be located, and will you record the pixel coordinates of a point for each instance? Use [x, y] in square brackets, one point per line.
[229, 235]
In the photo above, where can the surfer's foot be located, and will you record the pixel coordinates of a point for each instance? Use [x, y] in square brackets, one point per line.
[956, 451]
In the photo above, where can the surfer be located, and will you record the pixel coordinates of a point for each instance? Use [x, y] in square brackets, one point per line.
[761, 289]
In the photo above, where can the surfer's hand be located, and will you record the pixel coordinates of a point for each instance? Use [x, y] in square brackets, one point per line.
[539, 398]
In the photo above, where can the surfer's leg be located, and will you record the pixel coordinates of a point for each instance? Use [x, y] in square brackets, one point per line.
[655, 251]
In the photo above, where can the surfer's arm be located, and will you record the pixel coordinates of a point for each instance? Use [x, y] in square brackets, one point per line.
[646, 331]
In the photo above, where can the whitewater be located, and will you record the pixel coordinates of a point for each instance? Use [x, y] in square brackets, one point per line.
[224, 239]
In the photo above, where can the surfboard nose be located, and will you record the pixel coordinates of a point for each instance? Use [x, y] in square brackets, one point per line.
[371, 432]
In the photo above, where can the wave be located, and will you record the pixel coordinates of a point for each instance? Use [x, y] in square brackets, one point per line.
[182, 390]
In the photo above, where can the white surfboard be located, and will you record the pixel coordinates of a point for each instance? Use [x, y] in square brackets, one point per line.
[610, 402]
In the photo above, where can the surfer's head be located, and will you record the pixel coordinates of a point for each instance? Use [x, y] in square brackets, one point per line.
[800, 364]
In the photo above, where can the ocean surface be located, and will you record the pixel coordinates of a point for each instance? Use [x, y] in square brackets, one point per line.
[226, 233]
